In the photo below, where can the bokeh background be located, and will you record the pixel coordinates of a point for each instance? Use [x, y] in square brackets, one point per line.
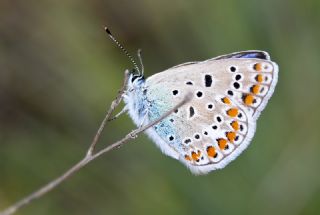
[59, 72]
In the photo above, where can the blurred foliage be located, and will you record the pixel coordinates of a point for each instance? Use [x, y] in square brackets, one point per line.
[59, 72]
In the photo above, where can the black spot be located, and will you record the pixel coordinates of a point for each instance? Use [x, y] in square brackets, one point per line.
[202, 158]
[171, 138]
[240, 115]
[254, 101]
[171, 120]
[197, 136]
[189, 83]
[187, 141]
[251, 89]
[238, 77]
[216, 155]
[227, 147]
[219, 119]
[237, 138]
[199, 94]
[257, 78]
[205, 133]
[175, 92]
[197, 160]
[241, 127]
[243, 97]
[210, 106]
[176, 111]
[214, 127]
[266, 78]
[233, 69]
[236, 85]
[191, 110]
[230, 92]
[208, 80]
[262, 89]
[145, 92]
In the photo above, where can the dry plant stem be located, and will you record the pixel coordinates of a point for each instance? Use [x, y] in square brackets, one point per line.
[25, 201]
[90, 156]
[107, 117]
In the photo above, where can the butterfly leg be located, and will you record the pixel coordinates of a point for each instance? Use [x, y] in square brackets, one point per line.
[144, 119]
[125, 109]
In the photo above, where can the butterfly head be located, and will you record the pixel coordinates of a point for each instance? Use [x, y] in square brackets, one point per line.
[135, 97]
[135, 80]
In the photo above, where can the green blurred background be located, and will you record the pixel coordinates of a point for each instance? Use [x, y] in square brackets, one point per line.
[59, 72]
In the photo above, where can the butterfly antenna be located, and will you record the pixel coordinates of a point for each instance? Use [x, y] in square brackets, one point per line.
[140, 59]
[123, 49]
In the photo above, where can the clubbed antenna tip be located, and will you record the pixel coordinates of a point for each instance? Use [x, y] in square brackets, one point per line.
[107, 30]
[123, 49]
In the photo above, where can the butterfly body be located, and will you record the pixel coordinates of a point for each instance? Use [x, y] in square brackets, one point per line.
[229, 93]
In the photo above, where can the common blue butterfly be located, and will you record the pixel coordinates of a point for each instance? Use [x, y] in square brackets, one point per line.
[211, 130]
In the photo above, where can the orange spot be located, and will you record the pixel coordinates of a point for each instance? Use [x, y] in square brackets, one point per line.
[248, 99]
[226, 100]
[235, 125]
[231, 136]
[233, 112]
[259, 78]
[211, 151]
[195, 156]
[187, 157]
[222, 143]
[258, 67]
[255, 89]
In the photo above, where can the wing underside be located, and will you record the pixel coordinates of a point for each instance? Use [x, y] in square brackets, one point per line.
[219, 122]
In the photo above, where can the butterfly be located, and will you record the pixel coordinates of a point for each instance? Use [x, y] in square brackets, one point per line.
[229, 93]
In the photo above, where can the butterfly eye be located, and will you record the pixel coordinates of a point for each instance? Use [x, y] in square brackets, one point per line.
[134, 77]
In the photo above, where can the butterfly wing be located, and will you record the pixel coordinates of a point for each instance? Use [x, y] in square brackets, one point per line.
[219, 122]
